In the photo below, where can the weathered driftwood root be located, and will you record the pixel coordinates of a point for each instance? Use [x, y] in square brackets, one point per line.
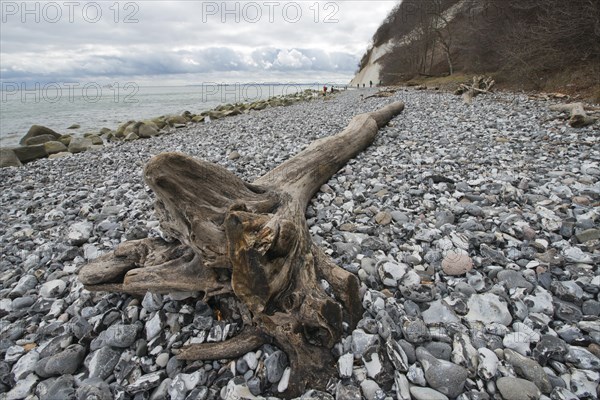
[251, 241]
[578, 117]
[480, 85]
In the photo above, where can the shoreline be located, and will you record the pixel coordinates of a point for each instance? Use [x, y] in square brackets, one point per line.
[56, 145]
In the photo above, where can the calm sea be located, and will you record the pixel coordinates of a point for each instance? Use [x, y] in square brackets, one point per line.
[58, 106]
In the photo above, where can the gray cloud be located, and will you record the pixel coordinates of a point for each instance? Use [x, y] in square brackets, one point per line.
[189, 39]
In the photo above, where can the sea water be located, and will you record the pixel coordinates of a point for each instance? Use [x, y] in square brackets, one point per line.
[59, 106]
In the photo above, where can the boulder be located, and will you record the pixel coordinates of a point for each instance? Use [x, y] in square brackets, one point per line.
[217, 114]
[32, 141]
[54, 147]
[152, 124]
[176, 119]
[160, 122]
[231, 113]
[198, 118]
[79, 144]
[8, 158]
[105, 131]
[121, 128]
[110, 136]
[132, 128]
[96, 140]
[259, 105]
[74, 126]
[38, 130]
[146, 131]
[62, 154]
[30, 153]
[65, 139]
[131, 137]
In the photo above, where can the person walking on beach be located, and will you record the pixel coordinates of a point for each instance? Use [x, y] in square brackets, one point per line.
[370, 83]
[324, 91]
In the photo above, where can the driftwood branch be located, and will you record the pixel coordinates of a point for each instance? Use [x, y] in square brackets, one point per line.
[480, 85]
[250, 241]
[578, 117]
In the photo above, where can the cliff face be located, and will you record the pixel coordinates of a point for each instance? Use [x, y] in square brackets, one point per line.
[526, 42]
[371, 72]
[404, 25]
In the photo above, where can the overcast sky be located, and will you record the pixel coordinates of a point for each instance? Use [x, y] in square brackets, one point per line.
[185, 42]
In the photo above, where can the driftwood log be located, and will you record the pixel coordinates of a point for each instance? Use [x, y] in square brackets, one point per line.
[250, 241]
[578, 117]
[480, 85]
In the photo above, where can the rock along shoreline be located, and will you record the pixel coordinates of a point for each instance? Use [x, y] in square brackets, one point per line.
[42, 142]
[474, 230]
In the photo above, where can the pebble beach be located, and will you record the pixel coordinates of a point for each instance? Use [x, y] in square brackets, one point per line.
[474, 230]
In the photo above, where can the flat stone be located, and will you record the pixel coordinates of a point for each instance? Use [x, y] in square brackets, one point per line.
[391, 272]
[79, 233]
[488, 363]
[155, 325]
[120, 336]
[494, 256]
[275, 365]
[540, 302]
[347, 392]
[25, 365]
[517, 389]
[23, 388]
[361, 341]
[145, 382]
[529, 369]
[397, 355]
[94, 388]
[591, 307]
[162, 359]
[446, 377]
[443, 217]
[415, 331]
[345, 365]
[582, 358]
[424, 393]
[102, 362]
[576, 255]
[383, 218]
[53, 289]
[440, 350]
[370, 389]
[237, 388]
[588, 235]
[488, 308]
[514, 279]
[550, 348]
[57, 388]
[439, 313]
[567, 312]
[567, 291]
[584, 384]
[518, 341]
[63, 363]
